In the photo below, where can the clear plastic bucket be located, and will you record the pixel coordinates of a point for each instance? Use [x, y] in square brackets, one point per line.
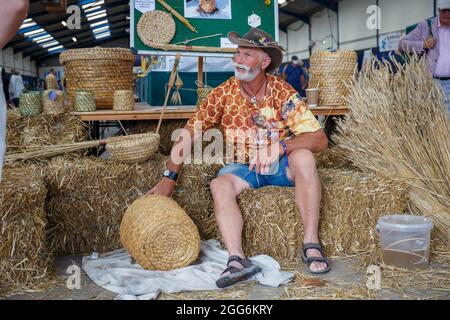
[405, 240]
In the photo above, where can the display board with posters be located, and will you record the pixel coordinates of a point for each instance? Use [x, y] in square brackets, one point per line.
[196, 27]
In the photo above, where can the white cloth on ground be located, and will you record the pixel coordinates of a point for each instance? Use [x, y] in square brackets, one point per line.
[117, 272]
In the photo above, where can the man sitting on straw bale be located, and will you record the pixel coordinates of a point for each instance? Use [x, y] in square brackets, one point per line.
[277, 134]
[434, 41]
[11, 16]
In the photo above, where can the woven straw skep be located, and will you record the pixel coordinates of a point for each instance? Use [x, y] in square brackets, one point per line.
[331, 72]
[123, 100]
[30, 103]
[157, 232]
[84, 102]
[99, 70]
[53, 106]
[133, 148]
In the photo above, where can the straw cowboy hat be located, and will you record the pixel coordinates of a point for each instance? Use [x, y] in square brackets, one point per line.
[256, 38]
[443, 4]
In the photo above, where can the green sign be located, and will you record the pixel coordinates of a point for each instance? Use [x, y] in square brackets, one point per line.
[229, 15]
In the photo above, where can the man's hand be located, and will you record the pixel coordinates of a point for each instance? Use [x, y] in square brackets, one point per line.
[163, 188]
[265, 157]
[430, 43]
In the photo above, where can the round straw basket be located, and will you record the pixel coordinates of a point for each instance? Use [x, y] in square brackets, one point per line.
[159, 234]
[53, 102]
[133, 148]
[84, 102]
[30, 103]
[123, 100]
[331, 72]
[99, 70]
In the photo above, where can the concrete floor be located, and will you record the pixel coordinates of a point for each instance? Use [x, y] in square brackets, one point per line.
[343, 271]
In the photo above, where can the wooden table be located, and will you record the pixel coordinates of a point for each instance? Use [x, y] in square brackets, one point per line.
[143, 111]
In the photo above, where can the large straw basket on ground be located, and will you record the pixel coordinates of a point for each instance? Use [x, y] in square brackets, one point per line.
[159, 234]
[133, 148]
[331, 72]
[99, 70]
[30, 103]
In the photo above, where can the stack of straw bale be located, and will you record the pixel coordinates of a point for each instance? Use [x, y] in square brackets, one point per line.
[351, 204]
[24, 261]
[87, 198]
[398, 127]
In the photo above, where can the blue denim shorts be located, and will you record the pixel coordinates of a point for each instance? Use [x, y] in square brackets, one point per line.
[255, 180]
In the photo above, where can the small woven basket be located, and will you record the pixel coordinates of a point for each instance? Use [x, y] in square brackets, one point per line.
[159, 234]
[330, 73]
[123, 100]
[53, 102]
[133, 148]
[84, 101]
[30, 103]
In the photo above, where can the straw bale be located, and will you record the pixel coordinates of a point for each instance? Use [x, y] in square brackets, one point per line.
[350, 207]
[29, 133]
[194, 195]
[333, 158]
[24, 261]
[88, 198]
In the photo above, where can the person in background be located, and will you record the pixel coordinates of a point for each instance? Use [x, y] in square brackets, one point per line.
[50, 80]
[16, 87]
[435, 45]
[12, 14]
[294, 75]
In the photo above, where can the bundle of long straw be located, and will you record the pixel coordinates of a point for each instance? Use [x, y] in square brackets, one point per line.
[399, 128]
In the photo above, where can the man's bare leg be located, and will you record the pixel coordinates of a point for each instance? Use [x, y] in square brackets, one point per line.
[225, 190]
[303, 171]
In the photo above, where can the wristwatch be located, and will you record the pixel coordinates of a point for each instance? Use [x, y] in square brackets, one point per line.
[170, 174]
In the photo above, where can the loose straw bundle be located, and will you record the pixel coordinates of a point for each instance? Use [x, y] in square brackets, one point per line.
[53, 102]
[176, 96]
[399, 128]
[159, 234]
[123, 100]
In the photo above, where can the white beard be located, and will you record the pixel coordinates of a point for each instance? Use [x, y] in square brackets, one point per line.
[249, 75]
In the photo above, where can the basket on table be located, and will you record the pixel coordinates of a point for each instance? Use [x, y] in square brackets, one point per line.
[133, 148]
[331, 72]
[30, 103]
[99, 70]
[84, 101]
[123, 100]
[53, 101]
[159, 234]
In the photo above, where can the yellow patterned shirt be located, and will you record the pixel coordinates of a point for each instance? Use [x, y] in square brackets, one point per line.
[281, 115]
